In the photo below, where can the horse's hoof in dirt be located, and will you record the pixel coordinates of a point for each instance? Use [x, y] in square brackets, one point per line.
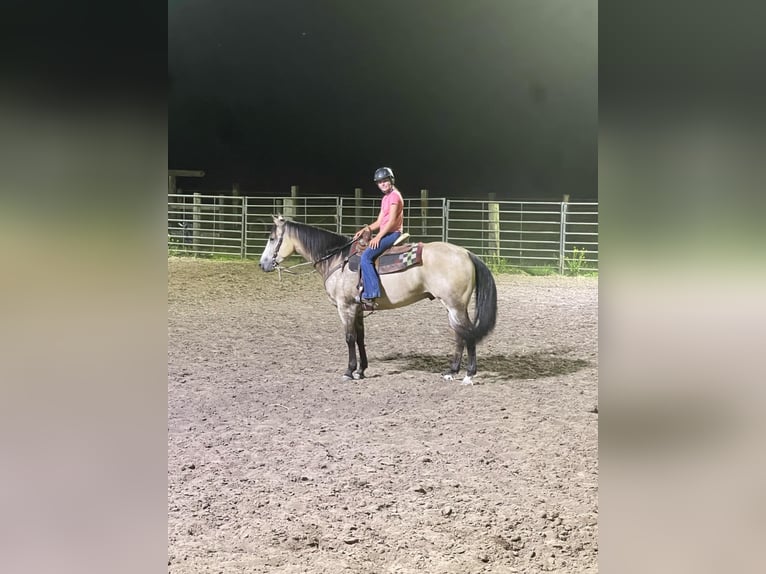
[448, 377]
[467, 380]
[358, 375]
[347, 377]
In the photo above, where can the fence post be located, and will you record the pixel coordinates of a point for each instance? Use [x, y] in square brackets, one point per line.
[243, 250]
[423, 212]
[289, 203]
[563, 234]
[339, 215]
[196, 213]
[445, 220]
[494, 227]
[521, 234]
[232, 210]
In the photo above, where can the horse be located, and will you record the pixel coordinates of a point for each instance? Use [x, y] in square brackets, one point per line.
[448, 273]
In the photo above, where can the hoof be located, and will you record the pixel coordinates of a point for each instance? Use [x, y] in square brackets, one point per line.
[358, 375]
[467, 380]
[448, 376]
[347, 377]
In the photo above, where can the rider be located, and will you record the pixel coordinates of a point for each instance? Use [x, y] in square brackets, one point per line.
[390, 225]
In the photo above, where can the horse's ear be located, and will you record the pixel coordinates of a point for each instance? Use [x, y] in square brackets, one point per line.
[278, 218]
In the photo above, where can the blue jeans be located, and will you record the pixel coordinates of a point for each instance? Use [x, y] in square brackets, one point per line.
[369, 275]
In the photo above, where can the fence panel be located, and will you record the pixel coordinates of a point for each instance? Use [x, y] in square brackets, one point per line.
[356, 213]
[317, 211]
[424, 220]
[204, 224]
[581, 234]
[518, 234]
[523, 234]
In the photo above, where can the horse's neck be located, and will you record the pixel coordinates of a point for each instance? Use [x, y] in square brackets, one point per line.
[304, 251]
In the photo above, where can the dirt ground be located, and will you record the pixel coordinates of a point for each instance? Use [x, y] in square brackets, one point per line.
[275, 464]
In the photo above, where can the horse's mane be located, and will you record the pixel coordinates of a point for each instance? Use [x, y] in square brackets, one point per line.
[317, 242]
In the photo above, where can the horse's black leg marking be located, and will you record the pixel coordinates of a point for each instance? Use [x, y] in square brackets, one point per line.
[457, 358]
[351, 342]
[359, 323]
[471, 369]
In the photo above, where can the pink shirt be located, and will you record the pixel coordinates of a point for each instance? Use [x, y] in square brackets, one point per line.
[390, 199]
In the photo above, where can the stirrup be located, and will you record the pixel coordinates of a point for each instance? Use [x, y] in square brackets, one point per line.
[367, 304]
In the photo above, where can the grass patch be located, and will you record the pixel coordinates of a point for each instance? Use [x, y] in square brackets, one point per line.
[575, 261]
[497, 264]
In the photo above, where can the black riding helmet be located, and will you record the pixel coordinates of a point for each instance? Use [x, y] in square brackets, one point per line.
[383, 173]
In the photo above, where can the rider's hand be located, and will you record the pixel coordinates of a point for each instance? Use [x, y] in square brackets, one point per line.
[374, 242]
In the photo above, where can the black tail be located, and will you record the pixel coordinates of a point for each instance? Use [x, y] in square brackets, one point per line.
[486, 302]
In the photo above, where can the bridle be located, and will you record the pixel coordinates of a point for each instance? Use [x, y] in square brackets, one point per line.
[276, 249]
[325, 257]
[274, 261]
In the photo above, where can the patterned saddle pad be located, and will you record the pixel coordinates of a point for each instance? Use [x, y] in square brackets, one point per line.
[392, 260]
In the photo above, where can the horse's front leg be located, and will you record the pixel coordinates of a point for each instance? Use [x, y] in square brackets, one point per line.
[347, 315]
[359, 324]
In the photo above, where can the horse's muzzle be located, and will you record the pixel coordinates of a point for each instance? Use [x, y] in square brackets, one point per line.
[267, 266]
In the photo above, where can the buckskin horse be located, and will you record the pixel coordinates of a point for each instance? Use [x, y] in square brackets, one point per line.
[444, 271]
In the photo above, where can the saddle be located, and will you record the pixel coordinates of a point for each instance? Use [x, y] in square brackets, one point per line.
[398, 257]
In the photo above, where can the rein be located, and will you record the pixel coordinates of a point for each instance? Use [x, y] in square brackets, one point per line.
[335, 251]
[290, 269]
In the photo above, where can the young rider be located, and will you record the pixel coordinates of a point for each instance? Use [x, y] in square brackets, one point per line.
[389, 225]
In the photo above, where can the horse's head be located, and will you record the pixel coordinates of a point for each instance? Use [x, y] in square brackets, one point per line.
[278, 247]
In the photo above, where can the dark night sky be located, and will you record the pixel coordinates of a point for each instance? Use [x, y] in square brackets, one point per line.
[463, 98]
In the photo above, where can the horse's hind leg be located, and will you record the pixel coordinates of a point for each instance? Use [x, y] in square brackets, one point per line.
[459, 321]
[457, 358]
[471, 370]
[359, 324]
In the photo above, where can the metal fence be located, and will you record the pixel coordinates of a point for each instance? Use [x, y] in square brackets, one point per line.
[560, 236]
